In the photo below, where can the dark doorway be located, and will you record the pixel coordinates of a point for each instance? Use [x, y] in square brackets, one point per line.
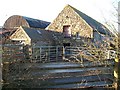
[66, 44]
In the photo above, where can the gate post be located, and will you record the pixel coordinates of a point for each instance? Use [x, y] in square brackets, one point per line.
[1, 75]
[1, 66]
[56, 53]
[117, 61]
[63, 53]
[117, 74]
[5, 71]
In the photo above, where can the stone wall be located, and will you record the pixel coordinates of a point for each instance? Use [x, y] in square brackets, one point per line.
[69, 17]
[21, 35]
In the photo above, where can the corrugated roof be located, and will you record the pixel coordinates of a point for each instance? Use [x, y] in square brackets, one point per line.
[93, 23]
[35, 23]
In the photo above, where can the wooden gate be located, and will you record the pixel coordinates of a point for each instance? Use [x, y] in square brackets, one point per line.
[59, 75]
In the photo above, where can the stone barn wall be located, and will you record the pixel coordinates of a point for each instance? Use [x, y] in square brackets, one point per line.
[77, 25]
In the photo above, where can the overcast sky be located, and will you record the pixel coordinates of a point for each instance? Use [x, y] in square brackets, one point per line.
[48, 10]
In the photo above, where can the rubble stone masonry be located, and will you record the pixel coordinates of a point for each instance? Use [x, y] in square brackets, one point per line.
[69, 17]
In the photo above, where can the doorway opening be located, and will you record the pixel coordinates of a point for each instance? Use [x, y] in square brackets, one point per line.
[66, 44]
[67, 31]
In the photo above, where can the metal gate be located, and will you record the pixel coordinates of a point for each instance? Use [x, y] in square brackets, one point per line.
[47, 53]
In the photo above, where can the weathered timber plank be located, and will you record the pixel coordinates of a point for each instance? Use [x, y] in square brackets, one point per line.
[82, 85]
[99, 69]
[63, 80]
[57, 65]
[85, 81]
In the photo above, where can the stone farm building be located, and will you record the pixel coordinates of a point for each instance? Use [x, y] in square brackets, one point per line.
[34, 36]
[70, 28]
[14, 22]
[76, 25]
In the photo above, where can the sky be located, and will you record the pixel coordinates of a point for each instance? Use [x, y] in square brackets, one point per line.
[47, 10]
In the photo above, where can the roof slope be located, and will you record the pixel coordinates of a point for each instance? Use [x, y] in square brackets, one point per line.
[17, 21]
[39, 34]
[35, 23]
[92, 22]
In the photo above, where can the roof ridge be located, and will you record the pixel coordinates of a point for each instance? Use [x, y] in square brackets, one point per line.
[76, 10]
[35, 19]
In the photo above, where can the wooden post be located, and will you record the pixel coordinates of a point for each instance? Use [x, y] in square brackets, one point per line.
[1, 75]
[108, 54]
[1, 65]
[5, 71]
[63, 53]
[48, 53]
[117, 60]
[40, 54]
[56, 53]
[117, 74]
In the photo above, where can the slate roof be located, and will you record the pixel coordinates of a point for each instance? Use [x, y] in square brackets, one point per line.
[35, 23]
[40, 34]
[93, 23]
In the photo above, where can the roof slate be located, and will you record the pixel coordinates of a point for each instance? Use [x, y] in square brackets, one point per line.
[35, 23]
[39, 34]
[93, 23]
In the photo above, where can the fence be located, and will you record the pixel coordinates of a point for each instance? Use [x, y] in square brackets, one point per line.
[12, 53]
[78, 53]
[58, 67]
[53, 53]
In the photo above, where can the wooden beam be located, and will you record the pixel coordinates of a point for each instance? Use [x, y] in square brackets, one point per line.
[117, 74]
